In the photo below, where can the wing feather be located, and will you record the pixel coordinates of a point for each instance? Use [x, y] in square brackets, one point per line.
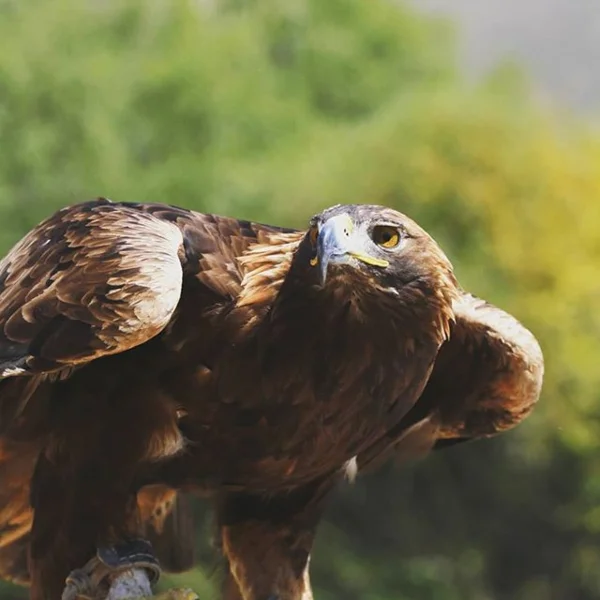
[94, 279]
[486, 379]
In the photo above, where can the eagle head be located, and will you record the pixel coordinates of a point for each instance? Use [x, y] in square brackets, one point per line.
[369, 260]
[374, 247]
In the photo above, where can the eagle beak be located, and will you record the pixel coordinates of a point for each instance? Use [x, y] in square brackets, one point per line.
[337, 242]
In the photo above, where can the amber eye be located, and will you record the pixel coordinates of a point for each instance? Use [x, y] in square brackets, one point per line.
[385, 236]
[313, 234]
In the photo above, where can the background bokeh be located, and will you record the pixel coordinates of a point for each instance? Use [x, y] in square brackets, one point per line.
[272, 110]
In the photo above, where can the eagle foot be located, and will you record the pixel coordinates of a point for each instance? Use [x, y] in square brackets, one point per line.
[125, 570]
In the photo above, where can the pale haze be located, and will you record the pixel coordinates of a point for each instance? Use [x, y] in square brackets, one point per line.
[557, 41]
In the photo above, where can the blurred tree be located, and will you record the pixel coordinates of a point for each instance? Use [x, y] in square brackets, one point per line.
[273, 109]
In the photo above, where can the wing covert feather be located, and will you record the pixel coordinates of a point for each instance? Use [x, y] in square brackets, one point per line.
[94, 279]
[488, 376]
[486, 379]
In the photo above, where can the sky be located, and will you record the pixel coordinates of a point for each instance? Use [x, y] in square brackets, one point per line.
[557, 41]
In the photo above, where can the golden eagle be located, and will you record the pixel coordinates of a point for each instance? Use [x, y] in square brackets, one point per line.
[147, 349]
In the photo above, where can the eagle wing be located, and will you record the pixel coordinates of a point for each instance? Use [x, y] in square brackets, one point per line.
[92, 280]
[486, 379]
[99, 278]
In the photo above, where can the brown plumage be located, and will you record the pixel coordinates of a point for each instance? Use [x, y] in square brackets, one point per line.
[146, 349]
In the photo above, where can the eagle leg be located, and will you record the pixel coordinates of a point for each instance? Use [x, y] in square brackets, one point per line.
[267, 543]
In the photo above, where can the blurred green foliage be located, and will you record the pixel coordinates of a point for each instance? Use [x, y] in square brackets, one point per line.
[272, 110]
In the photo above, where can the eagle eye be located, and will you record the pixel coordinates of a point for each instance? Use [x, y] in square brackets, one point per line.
[386, 236]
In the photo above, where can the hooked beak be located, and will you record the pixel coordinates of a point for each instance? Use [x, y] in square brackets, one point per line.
[337, 243]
